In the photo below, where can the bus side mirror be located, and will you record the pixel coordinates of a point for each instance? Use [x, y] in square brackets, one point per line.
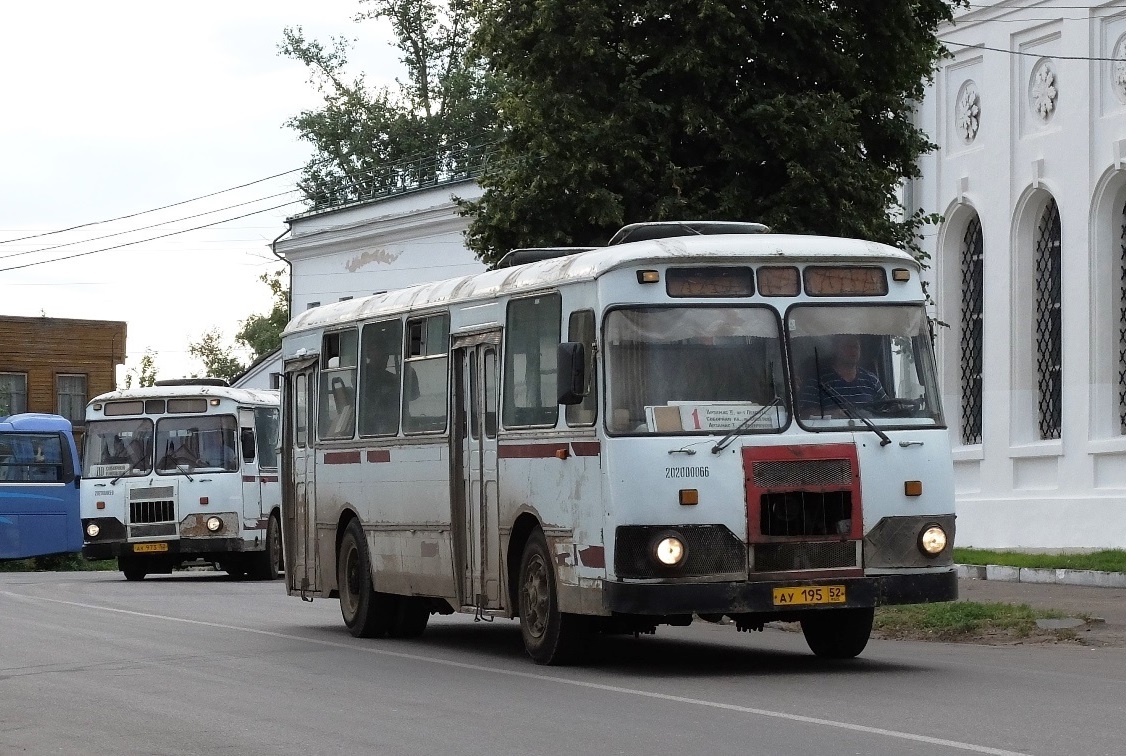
[572, 372]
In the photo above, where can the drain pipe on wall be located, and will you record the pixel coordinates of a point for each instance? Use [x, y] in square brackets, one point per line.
[288, 264]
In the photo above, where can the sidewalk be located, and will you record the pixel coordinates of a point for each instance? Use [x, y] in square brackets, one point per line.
[1099, 595]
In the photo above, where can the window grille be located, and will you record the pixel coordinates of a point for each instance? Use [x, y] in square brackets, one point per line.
[1049, 367]
[972, 330]
[1122, 326]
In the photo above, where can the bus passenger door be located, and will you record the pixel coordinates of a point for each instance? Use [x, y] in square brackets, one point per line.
[479, 535]
[251, 479]
[299, 522]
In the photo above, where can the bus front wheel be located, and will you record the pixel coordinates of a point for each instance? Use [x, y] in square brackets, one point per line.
[550, 636]
[131, 568]
[838, 633]
[366, 612]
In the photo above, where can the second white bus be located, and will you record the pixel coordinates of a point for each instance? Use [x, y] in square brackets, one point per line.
[183, 472]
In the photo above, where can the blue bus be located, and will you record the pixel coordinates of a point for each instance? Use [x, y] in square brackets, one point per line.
[39, 477]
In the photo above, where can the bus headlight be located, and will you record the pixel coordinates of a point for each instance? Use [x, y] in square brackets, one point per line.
[670, 551]
[214, 524]
[932, 541]
[92, 530]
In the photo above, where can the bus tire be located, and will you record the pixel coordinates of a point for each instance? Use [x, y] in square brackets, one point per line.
[410, 616]
[838, 633]
[266, 565]
[550, 636]
[131, 568]
[366, 612]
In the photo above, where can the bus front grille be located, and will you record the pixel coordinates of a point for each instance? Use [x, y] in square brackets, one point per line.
[152, 511]
[810, 555]
[152, 531]
[802, 473]
[805, 513]
[711, 550]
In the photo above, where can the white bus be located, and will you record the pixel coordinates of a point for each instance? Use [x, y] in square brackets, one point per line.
[182, 472]
[682, 426]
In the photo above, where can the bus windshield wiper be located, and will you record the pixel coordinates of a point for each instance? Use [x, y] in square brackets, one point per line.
[852, 410]
[186, 469]
[132, 467]
[723, 442]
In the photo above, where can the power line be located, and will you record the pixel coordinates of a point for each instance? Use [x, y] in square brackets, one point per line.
[164, 207]
[145, 228]
[1029, 54]
[142, 241]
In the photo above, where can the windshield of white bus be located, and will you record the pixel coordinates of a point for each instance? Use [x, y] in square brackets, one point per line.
[117, 448]
[693, 369]
[857, 363]
[206, 442]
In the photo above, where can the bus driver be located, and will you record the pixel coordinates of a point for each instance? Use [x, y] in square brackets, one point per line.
[844, 378]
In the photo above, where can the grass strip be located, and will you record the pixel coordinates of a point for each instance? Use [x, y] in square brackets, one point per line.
[1111, 560]
[959, 619]
[58, 563]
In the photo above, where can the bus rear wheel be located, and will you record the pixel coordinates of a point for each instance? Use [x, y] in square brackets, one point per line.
[410, 616]
[266, 564]
[550, 636]
[838, 633]
[366, 612]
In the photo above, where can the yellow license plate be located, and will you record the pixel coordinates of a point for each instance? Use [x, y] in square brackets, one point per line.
[809, 594]
[149, 547]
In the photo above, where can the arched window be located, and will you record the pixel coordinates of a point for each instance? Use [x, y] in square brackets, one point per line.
[1049, 306]
[972, 329]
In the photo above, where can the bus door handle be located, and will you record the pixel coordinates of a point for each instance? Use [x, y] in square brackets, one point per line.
[905, 444]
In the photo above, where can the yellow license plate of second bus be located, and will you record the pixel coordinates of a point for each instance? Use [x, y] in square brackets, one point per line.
[809, 594]
[146, 547]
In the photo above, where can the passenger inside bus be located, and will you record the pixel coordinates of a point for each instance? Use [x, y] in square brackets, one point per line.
[343, 409]
[844, 378]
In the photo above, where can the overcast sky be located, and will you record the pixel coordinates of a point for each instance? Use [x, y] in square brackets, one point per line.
[114, 108]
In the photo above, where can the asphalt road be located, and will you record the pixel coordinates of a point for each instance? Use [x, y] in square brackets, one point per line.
[200, 664]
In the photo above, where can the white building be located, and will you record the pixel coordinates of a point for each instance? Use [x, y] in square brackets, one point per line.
[1030, 270]
[370, 247]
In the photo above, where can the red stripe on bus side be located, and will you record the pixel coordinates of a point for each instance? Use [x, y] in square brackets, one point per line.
[530, 451]
[593, 556]
[260, 478]
[342, 458]
[586, 448]
[249, 479]
[379, 455]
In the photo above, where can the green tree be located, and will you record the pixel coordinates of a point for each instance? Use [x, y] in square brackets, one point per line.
[374, 140]
[262, 333]
[145, 373]
[219, 360]
[795, 113]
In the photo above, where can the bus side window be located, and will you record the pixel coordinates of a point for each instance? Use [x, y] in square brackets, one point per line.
[531, 344]
[381, 347]
[267, 423]
[246, 439]
[580, 328]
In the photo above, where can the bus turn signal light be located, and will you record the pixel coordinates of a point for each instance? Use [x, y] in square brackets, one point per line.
[648, 276]
[689, 497]
[912, 488]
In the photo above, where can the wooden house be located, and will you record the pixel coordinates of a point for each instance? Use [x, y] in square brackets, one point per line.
[56, 365]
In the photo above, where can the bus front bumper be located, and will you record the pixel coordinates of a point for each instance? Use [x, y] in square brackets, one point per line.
[189, 548]
[745, 597]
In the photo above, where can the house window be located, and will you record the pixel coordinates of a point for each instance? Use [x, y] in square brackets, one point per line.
[1049, 306]
[71, 391]
[973, 312]
[13, 393]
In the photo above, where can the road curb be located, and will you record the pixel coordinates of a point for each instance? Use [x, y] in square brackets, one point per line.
[1002, 573]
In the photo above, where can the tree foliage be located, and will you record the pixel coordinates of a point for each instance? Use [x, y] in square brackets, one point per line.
[145, 373]
[262, 333]
[371, 140]
[219, 360]
[795, 113]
